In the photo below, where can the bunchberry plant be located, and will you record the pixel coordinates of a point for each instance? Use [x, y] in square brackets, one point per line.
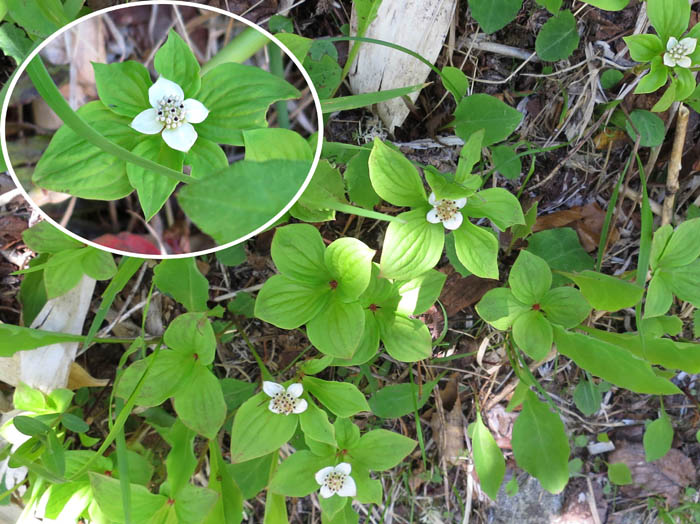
[285, 400]
[671, 53]
[415, 245]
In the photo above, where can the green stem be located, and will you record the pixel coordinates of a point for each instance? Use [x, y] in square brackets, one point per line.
[359, 211]
[277, 69]
[238, 50]
[53, 97]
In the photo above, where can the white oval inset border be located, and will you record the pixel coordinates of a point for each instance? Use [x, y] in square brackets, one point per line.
[272, 38]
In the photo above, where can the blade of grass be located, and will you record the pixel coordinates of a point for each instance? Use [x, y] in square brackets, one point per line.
[345, 103]
[644, 256]
[277, 69]
[241, 48]
[416, 416]
[123, 465]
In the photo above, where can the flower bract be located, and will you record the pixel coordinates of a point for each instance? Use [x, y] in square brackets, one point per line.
[446, 211]
[285, 401]
[171, 115]
[677, 52]
[336, 480]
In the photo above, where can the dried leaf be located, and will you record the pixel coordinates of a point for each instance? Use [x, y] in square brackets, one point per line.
[80, 378]
[448, 432]
[459, 293]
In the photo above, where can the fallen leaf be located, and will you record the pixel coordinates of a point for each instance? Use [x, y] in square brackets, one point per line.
[79, 378]
[128, 242]
[586, 220]
[459, 293]
[448, 432]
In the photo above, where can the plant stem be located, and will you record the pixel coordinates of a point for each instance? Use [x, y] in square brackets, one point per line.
[53, 97]
[246, 44]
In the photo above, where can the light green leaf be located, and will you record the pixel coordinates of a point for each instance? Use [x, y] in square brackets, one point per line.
[181, 279]
[684, 282]
[98, 264]
[357, 179]
[176, 62]
[493, 15]
[108, 495]
[669, 17]
[587, 397]
[562, 250]
[325, 190]
[684, 245]
[194, 503]
[649, 126]
[199, 403]
[288, 304]
[298, 252]
[609, 5]
[238, 97]
[498, 205]
[411, 248]
[533, 334]
[644, 47]
[123, 86]
[337, 328]
[295, 477]
[565, 306]
[289, 145]
[315, 425]
[488, 459]
[38, 18]
[407, 339]
[394, 177]
[192, 334]
[540, 444]
[606, 292]
[530, 278]
[619, 474]
[558, 37]
[420, 293]
[455, 81]
[341, 398]
[397, 400]
[205, 158]
[506, 161]
[500, 308]
[350, 263]
[379, 450]
[655, 79]
[658, 437]
[486, 112]
[170, 372]
[659, 295]
[63, 271]
[477, 249]
[43, 237]
[346, 103]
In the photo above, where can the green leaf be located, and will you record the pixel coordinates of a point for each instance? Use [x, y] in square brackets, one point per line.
[98, 264]
[205, 158]
[587, 397]
[169, 372]
[684, 282]
[659, 295]
[606, 292]
[469, 155]
[655, 79]
[258, 431]
[407, 339]
[341, 398]
[649, 125]
[232, 256]
[200, 402]
[350, 263]
[295, 477]
[73, 165]
[420, 293]
[298, 252]
[411, 248]
[337, 328]
[315, 425]
[644, 47]
[619, 474]
[238, 97]
[14, 42]
[506, 161]
[486, 112]
[236, 392]
[289, 145]
[532, 332]
[397, 400]
[38, 18]
[108, 495]
[683, 247]
[666, 99]
[500, 308]
[288, 304]
[357, 179]
[346, 103]
[43, 237]
[455, 81]
[477, 249]
[609, 5]
[74, 423]
[611, 78]
[488, 459]
[152, 188]
[260, 190]
[669, 17]
[192, 334]
[660, 326]
[379, 450]
[181, 462]
[181, 279]
[347, 433]
[322, 66]
[176, 62]
[498, 205]
[366, 13]
[530, 278]
[30, 426]
[194, 503]
[612, 363]
[394, 177]
[558, 37]
[63, 272]
[320, 197]
[562, 250]
[123, 86]
[493, 15]
[252, 476]
[565, 306]
[658, 437]
[540, 444]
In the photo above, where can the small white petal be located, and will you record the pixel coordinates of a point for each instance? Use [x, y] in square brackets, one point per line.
[300, 406]
[295, 390]
[689, 43]
[163, 87]
[454, 222]
[344, 468]
[672, 42]
[272, 388]
[669, 60]
[349, 488]
[325, 492]
[145, 122]
[432, 200]
[684, 61]
[271, 406]
[432, 216]
[460, 203]
[321, 474]
[181, 138]
[195, 111]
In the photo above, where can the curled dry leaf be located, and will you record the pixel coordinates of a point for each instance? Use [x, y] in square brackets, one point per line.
[500, 422]
[448, 432]
[587, 220]
[667, 476]
[80, 378]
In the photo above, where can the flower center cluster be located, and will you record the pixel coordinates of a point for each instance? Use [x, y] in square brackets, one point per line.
[171, 111]
[334, 481]
[679, 50]
[446, 209]
[284, 402]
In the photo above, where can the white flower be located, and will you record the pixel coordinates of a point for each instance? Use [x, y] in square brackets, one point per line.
[171, 114]
[285, 400]
[446, 211]
[336, 480]
[15, 439]
[677, 52]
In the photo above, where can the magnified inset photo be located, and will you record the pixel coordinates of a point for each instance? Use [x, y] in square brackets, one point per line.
[162, 129]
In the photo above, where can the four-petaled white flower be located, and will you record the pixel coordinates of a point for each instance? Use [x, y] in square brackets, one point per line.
[285, 401]
[446, 211]
[677, 52]
[336, 480]
[171, 114]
